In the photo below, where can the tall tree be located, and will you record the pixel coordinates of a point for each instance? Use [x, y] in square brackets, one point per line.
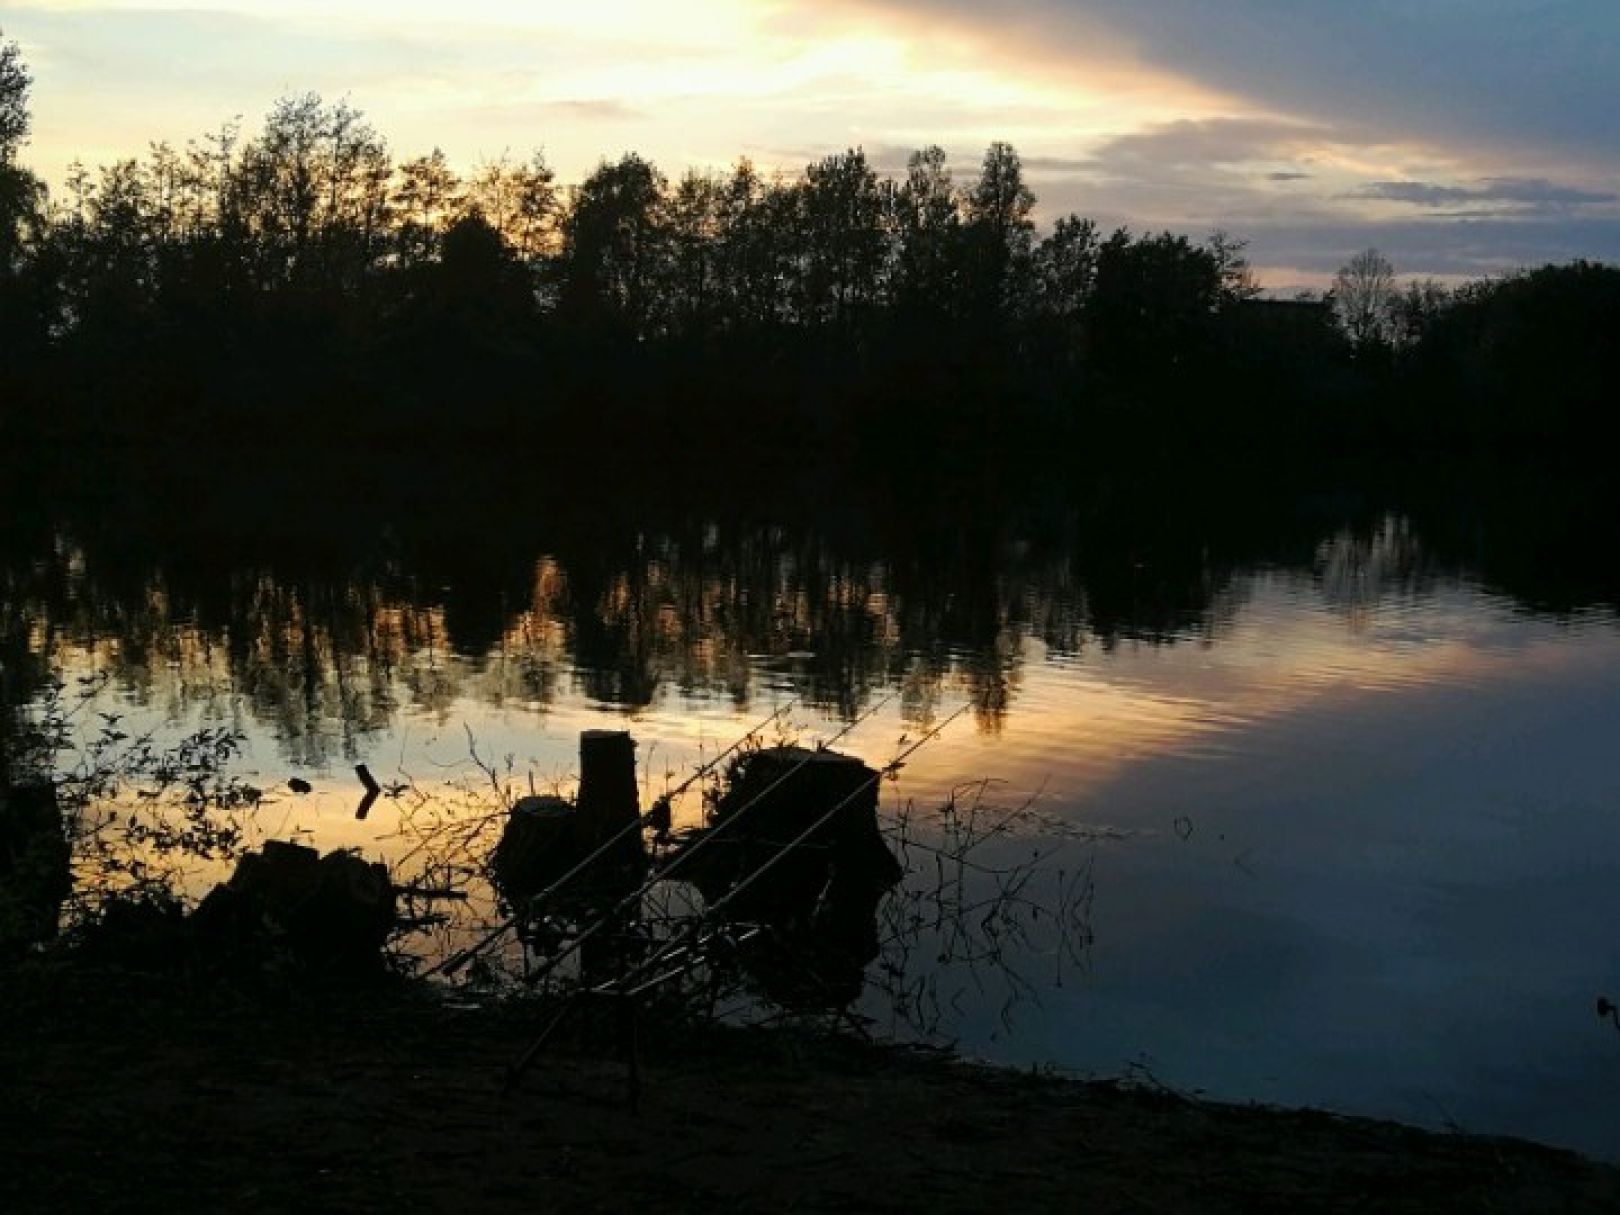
[20, 191]
[612, 247]
[843, 208]
[1364, 295]
[1152, 312]
[1232, 264]
[520, 202]
[1000, 233]
[1416, 311]
[1065, 267]
[312, 195]
[14, 85]
[425, 200]
[691, 288]
[756, 249]
[928, 223]
[22, 206]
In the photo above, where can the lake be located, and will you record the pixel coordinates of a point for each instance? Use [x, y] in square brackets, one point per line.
[1337, 756]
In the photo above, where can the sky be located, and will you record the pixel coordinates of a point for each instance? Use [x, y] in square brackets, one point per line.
[1461, 137]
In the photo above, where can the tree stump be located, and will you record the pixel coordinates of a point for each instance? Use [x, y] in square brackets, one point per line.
[609, 802]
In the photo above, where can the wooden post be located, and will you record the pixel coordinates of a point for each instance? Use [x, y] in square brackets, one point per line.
[609, 802]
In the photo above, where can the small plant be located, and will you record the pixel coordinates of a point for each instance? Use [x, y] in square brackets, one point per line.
[136, 814]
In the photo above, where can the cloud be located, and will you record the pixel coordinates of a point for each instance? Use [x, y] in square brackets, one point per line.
[595, 109]
[1535, 195]
[1194, 174]
[1429, 246]
[1059, 164]
[1522, 77]
[1202, 144]
[1480, 130]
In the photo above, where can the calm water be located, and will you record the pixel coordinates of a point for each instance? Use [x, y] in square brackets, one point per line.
[1352, 758]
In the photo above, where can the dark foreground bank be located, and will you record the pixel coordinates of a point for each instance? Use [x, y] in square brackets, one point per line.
[127, 1097]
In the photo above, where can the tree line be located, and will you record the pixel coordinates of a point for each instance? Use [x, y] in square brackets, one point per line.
[302, 278]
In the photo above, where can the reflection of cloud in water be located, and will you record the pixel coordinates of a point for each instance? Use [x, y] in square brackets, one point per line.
[1109, 652]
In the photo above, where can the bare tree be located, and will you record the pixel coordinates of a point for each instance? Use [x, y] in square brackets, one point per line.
[1364, 297]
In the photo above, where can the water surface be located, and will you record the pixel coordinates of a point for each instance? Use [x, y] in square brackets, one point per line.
[1347, 760]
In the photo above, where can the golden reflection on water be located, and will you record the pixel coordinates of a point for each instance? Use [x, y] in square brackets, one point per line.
[318, 680]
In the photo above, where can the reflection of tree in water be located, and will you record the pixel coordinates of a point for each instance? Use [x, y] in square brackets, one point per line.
[1357, 569]
[328, 649]
[326, 660]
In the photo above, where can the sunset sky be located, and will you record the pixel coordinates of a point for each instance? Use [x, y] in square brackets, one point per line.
[1460, 136]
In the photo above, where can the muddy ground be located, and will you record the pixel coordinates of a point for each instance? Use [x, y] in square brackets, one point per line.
[126, 1095]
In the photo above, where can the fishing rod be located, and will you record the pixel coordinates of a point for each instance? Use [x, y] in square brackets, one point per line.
[692, 934]
[663, 874]
[802, 838]
[456, 962]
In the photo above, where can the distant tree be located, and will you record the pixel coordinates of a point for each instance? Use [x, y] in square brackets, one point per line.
[999, 234]
[23, 304]
[14, 85]
[1536, 349]
[613, 247]
[425, 200]
[1364, 296]
[843, 210]
[312, 194]
[755, 254]
[1065, 267]
[474, 296]
[1232, 264]
[20, 192]
[691, 292]
[1064, 275]
[928, 224]
[1152, 312]
[520, 202]
[1416, 311]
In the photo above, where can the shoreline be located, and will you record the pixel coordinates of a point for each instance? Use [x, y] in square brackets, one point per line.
[119, 1093]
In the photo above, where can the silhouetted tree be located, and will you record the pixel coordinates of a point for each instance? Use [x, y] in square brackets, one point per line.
[843, 212]
[999, 234]
[14, 85]
[1415, 312]
[756, 250]
[20, 192]
[425, 200]
[1153, 310]
[928, 227]
[302, 265]
[613, 247]
[472, 301]
[1364, 295]
[1232, 264]
[312, 194]
[692, 292]
[1531, 356]
[1065, 275]
[22, 211]
[520, 202]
